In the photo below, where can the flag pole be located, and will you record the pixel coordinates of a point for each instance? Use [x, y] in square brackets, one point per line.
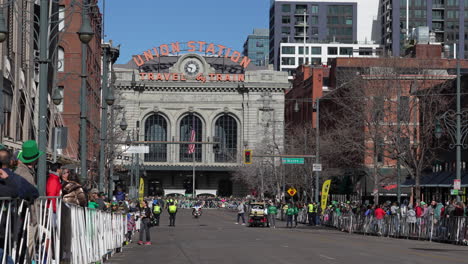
[193, 176]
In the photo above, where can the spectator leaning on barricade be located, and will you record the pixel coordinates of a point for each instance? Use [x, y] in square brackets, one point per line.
[27, 160]
[72, 190]
[95, 201]
[11, 184]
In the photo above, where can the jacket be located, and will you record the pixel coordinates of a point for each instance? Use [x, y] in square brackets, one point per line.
[8, 188]
[25, 172]
[53, 188]
[73, 193]
[24, 189]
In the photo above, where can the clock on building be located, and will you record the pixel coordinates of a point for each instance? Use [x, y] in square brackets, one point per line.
[192, 67]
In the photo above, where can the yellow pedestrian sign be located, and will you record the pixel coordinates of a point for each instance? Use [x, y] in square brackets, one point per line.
[292, 191]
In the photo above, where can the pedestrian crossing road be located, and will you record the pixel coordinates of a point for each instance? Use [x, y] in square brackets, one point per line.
[215, 238]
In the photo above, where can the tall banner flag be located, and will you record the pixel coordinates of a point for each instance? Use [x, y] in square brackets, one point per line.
[141, 190]
[325, 189]
[191, 147]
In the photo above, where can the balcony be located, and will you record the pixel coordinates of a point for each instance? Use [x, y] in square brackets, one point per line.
[300, 24]
[438, 6]
[437, 18]
[300, 12]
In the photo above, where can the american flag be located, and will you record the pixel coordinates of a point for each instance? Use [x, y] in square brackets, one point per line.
[191, 147]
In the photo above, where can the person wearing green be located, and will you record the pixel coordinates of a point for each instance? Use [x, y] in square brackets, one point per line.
[290, 214]
[172, 210]
[296, 213]
[272, 211]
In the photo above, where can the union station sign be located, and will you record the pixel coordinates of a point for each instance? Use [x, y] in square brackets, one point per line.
[174, 48]
[191, 66]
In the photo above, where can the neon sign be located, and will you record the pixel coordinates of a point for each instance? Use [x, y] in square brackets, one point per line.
[192, 46]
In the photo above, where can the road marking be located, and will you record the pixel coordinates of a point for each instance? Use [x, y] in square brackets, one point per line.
[327, 257]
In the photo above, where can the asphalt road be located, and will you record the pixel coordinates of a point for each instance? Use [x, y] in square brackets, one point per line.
[215, 238]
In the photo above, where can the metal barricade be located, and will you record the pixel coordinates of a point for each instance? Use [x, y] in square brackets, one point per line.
[452, 229]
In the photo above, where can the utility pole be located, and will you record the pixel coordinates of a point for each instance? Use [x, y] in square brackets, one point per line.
[317, 149]
[43, 94]
[458, 114]
[102, 151]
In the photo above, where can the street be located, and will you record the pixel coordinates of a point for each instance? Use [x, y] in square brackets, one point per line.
[215, 238]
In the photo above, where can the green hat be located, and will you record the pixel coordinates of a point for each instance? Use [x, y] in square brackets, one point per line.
[30, 152]
[423, 203]
[2, 147]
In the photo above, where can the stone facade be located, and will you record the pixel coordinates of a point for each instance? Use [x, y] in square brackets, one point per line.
[256, 104]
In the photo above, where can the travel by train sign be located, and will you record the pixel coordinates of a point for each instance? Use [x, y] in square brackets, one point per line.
[207, 48]
[181, 77]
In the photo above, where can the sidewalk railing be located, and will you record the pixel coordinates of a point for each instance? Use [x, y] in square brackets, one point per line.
[452, 229]
[49, 231]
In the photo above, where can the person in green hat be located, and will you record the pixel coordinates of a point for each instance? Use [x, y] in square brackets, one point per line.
[27, 160]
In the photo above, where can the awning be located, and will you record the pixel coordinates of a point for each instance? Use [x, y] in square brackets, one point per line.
[438, 179]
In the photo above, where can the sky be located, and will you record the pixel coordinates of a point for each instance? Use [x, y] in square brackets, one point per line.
[138, 25]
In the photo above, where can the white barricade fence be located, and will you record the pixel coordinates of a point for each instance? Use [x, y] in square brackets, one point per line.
[50, 231]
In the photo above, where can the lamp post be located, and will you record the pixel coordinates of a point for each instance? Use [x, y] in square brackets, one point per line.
[85, 34]
[108, 100]
[43, 93]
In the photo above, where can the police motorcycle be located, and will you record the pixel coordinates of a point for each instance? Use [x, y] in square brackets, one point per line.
[197, 210]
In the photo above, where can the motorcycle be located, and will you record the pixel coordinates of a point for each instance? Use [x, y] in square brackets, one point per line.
[196, 212]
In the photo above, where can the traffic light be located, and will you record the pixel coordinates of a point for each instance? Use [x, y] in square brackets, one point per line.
[248, 156]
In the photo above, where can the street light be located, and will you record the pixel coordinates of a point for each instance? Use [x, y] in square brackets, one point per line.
[123, 124]
[86, 32]
[3, 28]
[438, 131]
[57, 96]
[296, 107]
[110, 99]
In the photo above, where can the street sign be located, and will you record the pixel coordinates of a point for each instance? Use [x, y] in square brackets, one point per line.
[453, 192]
[293, 160]
[457, 184]
[317, 167]
[136, 149]
[292, 191]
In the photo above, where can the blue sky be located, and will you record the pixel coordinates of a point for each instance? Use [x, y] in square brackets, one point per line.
[139, 25]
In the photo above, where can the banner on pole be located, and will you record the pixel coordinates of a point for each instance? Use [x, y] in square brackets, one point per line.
[325, 189]
[141, 190]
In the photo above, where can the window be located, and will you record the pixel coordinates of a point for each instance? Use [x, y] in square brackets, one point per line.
[437, 14]
[189, 125]
[156, 130]
[259, 44]
[452, 14]
[314, 20]
[60, 106]
[60, 59]
[226, 134]
[403, 111]
[346, 51]
[300, 9]
[349, 21]
[61, 18]
[287, 61]
[301, 50]
[286, 30]
[316, 50]
[301, 61]
[332, 51]
[316, 61]
[286, 8]
[314, 31]
[315, 9]
[365, 51]
[286, 20]
[452, 2]
[288, 50]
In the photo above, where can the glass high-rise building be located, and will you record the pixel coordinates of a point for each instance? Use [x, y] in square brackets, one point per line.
[447, 20]
[257, 47]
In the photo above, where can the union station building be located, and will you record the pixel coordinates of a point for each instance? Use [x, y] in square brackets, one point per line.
[202, 92]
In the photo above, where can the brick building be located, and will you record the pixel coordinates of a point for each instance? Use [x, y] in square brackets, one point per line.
[69, 81]
[365, 100]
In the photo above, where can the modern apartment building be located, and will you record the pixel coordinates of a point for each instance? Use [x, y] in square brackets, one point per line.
[292, 54]
[256, 47]
[446, 19]
[322, 21]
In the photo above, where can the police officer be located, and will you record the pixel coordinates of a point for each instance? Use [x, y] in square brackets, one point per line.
[314, 213]
[156, 212]
[310, 213]
[172, 209]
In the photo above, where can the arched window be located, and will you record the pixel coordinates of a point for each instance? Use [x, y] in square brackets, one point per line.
[61, 59]
[156, 130]
[226, 134]
[187, 125]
